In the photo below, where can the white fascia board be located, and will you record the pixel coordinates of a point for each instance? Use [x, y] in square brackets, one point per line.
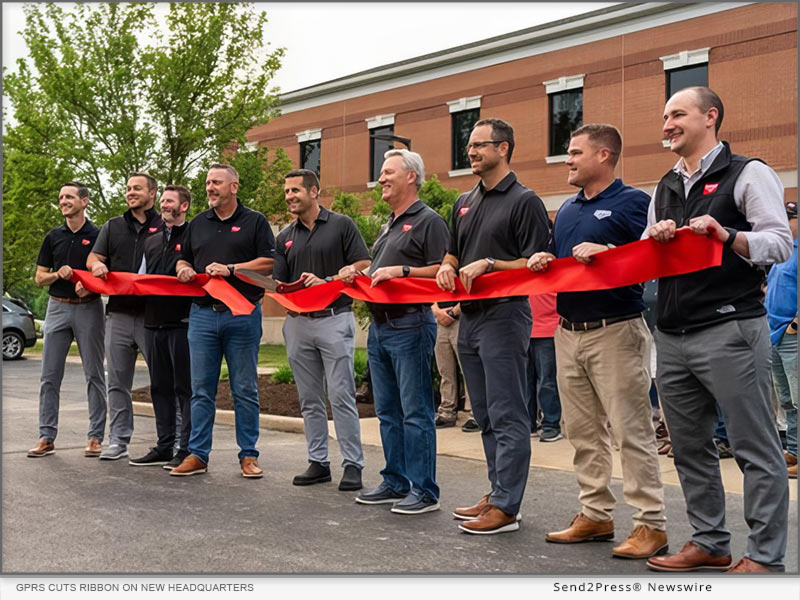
[634, 17]
[563, 84]
[685, 58]
[468, 103]
[380, 121]
[308, 135]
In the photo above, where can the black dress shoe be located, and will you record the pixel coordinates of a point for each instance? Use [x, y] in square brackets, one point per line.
[351, 479]
[315, 473]
[470, 426]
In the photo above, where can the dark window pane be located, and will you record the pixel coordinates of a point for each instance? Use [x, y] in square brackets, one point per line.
[566, 115]
[677, 79]
[462, 127]
[309, 155]
[377, 148]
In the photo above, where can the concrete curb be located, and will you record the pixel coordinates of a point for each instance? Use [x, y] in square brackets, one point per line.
[226, 417]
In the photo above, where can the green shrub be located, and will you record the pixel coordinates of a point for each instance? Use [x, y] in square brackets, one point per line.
[283, 375]
[360, 365]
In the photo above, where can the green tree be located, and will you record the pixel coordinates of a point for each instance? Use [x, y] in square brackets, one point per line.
[108, 89]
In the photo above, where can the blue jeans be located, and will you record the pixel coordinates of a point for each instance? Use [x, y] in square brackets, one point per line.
[784, 375]
[212, 335]
[542, 387]
[399, 354]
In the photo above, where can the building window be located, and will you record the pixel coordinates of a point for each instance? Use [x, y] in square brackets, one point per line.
[309, 155]
[565, 106]
[464, 113]
[380, 126]
[685, 69]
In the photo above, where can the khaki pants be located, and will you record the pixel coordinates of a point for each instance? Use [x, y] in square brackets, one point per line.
[603, 376]
[446, 350]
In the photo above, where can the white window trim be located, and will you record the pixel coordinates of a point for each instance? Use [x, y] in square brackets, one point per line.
[467, 103]
[459, 173]
[665, 143]
[380, 121]
[308, 135]
[563, 84]
[251, 146]
[371, 184]
[558, 158]
[685, 58]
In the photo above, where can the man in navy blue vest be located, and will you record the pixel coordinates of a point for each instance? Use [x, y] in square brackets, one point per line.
[713, 340]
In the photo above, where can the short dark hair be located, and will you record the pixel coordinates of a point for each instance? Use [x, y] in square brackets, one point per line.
[310, 178]
[708, 99]
[183, 193]
[151, 181]
[501, 132]
[226, 167]
[83, 191]
[602, 136]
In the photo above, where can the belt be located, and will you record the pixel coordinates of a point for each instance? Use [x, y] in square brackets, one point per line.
[383, 315]
[219, 307]
[83, 300]
[588, 325]
[318, 314]
[471, 306]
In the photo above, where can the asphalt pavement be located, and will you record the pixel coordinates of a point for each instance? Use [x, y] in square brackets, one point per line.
[69, 514]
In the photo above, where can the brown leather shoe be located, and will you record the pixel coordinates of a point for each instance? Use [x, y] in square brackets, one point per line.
[93, 448]
[745, 565]
[43, 448]
[690, 558]
[792, 471]
[643, 542]
[790, 459]
[472, 512]
[583, 529]
[250, 467]
[491, 520]
[191, 465]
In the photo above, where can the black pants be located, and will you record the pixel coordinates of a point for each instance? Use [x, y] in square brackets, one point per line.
[170, 384]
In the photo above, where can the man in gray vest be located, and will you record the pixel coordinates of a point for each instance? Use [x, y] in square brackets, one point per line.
[713, 339]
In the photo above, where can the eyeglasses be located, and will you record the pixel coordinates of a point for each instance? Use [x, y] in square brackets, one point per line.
[481, 144]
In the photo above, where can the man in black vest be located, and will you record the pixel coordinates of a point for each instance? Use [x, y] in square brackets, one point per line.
[166, 320]
[713, 340]
[120, 247]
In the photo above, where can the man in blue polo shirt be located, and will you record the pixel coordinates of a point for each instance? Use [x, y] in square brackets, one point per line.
[603, 353]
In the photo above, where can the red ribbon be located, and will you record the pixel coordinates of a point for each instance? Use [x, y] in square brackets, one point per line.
[117, 283]
[626, 265]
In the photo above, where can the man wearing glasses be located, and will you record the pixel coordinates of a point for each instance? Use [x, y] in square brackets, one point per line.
[494, 227]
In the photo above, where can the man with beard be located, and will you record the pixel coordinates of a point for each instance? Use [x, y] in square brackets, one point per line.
[321, 344]
[166, 320]
[70, 315]
[120, 247]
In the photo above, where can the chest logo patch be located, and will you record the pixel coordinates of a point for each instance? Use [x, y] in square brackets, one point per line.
[463, 210]
[601, 214]
[85, 242]
[289, 243]
[153, 229]
[407, 227]
[710, 188]
[235, 228]
[177, 247]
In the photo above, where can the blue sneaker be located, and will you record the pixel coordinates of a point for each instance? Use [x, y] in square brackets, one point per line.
[382, 494]
[411, 505]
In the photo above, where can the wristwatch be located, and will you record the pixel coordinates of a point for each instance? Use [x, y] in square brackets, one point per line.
[230, 270]
[451, 314]
[406, 270]
[490, 268]
[729, 242]
[328, 279]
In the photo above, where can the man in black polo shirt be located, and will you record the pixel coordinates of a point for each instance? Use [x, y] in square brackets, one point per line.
[321, 344]
[166, 320]
[495, 226]
[401, 339]
[70, 316]
[120, 247]
[219, 241]
[603, 353]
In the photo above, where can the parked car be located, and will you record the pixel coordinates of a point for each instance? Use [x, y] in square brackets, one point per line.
[18, 329]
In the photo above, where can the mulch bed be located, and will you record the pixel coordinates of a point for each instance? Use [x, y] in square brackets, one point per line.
[274, 398]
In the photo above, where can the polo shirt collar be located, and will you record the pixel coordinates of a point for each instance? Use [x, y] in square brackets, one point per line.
[611, 190]
[212, 214]
[322, 217]
[505, 183]
[65, 228]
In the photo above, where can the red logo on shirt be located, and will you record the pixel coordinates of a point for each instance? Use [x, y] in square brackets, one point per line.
[85, 242]
[288, 244]
[463, 210]
[235, 228]
[710, 188]
[153, 229]
[407, 227]
[177, 247]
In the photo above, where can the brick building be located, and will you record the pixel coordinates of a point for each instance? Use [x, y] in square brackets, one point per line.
[615, 65]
